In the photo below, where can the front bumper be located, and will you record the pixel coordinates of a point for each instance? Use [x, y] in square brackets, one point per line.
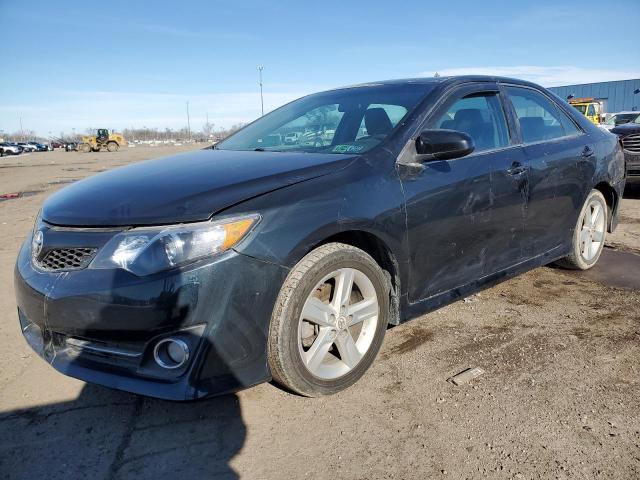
[101, 325]
[633, 164]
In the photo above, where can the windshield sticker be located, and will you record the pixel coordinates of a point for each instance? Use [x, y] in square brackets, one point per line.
[347, 149]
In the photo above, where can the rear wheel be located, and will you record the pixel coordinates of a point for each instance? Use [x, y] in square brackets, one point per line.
[85, 148]
[589, 234]
[329, 320]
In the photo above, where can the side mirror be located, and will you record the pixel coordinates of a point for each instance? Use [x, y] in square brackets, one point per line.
[443, 144]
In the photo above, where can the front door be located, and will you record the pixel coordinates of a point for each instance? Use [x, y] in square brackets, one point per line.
[465, 216]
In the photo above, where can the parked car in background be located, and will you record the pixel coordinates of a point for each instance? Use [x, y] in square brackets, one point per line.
[27, 147]
[291, 138]
[56, 144]
[71, 147]
[620, 119]
[223, 268]
[40, 147]
[629, 134]
[8, 148]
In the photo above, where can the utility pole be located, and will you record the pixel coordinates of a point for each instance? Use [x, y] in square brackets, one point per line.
[260, 68]
[188, 121]
[21, 130]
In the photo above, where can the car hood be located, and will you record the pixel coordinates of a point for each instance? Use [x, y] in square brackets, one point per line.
[182, 188]
[626, 128]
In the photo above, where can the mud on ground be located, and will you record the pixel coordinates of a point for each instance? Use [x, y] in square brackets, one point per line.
[559, 398]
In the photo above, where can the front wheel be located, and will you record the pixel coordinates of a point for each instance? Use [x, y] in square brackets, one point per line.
[112, 147]
[329, 320]
[589, 234]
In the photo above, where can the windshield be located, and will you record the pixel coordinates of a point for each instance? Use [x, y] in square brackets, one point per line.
[622, 118]
[351, 120]
[581, 108]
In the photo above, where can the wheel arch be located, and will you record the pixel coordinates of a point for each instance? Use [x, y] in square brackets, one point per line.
[611, 197]
[382, 254]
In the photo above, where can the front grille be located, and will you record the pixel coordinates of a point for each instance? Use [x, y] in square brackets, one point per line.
[66, 258]
[631, 143]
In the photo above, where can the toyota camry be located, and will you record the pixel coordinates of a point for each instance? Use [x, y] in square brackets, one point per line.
[286, 251]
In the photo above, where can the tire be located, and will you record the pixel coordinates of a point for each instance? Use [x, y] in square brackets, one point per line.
[367, 310]
[589, 234]
[112, 147]
[85, 148]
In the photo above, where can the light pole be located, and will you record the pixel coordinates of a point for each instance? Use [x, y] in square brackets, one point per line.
[260, 68]
[188, 121]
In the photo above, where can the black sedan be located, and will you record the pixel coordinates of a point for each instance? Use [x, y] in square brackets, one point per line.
[629, 134]
[261, 259]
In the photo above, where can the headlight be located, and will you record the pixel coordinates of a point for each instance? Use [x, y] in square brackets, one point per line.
[147, 250]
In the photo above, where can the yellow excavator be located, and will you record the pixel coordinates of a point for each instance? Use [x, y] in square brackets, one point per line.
[102, 140]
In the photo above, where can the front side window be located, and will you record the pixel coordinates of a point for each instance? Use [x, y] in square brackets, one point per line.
[350, 120]
[538, 117]
[591, 110]
[479, 115]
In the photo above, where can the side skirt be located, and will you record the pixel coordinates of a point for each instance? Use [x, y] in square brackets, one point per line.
[439, 300]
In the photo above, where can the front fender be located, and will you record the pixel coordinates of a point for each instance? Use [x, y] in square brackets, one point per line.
[366, 197]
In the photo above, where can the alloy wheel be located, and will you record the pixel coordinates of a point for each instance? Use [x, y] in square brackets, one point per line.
[338, 323]
[593, 230]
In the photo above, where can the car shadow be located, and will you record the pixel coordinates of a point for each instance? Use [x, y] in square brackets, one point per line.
[110, 434]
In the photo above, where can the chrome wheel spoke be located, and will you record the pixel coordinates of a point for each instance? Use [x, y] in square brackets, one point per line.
[361, 311]
[316, 311]
[343, 287]
[585, 238]
[587, 217]
[593, 249]
[597, 214]
[594, 211]
[348, 349]
[319, 349]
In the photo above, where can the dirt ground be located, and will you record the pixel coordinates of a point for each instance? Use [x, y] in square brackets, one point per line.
[559, 398]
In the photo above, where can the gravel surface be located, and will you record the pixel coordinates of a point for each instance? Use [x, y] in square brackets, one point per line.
[559, 397]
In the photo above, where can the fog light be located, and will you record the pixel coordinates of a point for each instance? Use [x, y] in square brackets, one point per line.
[171, 353]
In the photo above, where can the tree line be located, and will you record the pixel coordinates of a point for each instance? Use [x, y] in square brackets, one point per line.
[208, 133]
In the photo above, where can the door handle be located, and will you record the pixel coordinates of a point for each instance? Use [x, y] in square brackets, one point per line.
[587, 151]
[517, 169]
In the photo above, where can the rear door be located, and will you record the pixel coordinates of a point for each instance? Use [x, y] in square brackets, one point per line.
[465, 216]
[554, 145]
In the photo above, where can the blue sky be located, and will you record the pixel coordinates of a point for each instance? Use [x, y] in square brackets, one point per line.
[71, 64]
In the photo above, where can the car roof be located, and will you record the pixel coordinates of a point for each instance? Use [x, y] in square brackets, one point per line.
[627, 112]
[444, 81]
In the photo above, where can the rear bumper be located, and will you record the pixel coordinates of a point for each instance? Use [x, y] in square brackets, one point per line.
[221, 308]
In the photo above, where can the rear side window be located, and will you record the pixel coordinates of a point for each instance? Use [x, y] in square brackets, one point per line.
[479, 115]
[539, 118]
